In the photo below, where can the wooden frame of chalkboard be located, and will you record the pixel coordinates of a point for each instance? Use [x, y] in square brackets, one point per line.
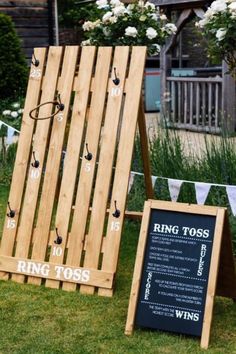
[184, 258]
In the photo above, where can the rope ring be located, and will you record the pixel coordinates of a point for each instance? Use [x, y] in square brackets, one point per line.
[59, 105]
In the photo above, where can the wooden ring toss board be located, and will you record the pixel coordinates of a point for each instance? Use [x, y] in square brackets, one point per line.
[76, 193]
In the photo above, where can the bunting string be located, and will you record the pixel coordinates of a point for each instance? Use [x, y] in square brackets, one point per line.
[202, 189]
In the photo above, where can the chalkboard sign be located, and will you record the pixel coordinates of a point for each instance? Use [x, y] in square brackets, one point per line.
[175, 271]
[176, 268]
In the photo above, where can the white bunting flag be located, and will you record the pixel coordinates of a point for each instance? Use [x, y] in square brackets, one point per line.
[231, 192]
[10, 135]
[174, 188]
[154, 178]
[202, 190]
[131, 181]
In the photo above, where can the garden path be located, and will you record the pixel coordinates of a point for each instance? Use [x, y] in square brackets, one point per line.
[192, 142]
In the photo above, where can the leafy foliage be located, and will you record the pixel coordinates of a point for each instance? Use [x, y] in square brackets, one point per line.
[138, 23]
[72, 14]
[13, 67]
[219, 27]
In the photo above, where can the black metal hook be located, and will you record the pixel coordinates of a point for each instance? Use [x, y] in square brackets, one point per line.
[116, 213]
[36, 162]
[89, 156]
[11, 213]
[36, 61]
[60, 105]
[116, 80]
[58, 241]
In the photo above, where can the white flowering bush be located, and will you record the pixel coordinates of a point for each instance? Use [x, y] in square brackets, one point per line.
[11, 112]
[140, 23]
[219, 27]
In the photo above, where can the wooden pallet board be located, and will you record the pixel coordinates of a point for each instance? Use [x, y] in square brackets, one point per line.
[70, 210]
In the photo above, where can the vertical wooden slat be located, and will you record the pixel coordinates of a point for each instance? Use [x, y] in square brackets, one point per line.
[105, 166]
[197, 103]
[121, 179]
[185, 102]
[217, 106]
[209, 104]
[203, 104]
[53, 159]
[138, 269]
[22, 156]
[71, 162]
[173, 103]
[179, 102]
[87, 167]
[191, 104]
[39, 146]
[212, 282]
[144, 151]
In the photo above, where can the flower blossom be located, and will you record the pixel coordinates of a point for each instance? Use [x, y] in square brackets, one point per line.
[86, 42]
[157, 49]
[115, 3]
[101, 4]
[151, 33]
[107, 16]
[218, 6]
[163, 17]
[170, 28]
[16, 105]
[119, 10]
[7, 112]
[220, 34]
[14, 114]
[150, 5]
[131, 31]
[232, 6]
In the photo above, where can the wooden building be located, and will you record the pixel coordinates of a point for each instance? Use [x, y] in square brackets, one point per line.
[201, 102]
[34, 22]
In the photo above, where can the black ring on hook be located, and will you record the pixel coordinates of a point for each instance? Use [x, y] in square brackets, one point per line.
[58, 240]
[11, 213]
[116, 213]
[58, 104]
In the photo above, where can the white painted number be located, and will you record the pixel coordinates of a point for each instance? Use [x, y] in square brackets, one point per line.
[35, 73]
[115, 226]
[11, 224]
[57, 251]
[35, 174]
[60, 117]
[115, 91]
[88, 167]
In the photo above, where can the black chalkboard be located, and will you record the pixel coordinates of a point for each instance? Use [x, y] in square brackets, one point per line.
[175, 271]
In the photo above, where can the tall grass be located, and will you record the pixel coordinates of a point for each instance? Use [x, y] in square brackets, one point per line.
[217, 164]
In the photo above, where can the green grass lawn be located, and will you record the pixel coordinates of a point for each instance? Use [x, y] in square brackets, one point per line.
[40, 320]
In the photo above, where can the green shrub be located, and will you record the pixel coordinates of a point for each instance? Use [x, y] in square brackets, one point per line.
[13, 67]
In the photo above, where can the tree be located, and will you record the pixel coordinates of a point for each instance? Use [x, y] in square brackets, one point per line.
[13, 66]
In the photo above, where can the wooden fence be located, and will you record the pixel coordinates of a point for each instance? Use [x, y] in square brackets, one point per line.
[194, 103]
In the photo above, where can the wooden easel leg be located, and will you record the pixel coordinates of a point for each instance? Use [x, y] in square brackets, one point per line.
[144, 152]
